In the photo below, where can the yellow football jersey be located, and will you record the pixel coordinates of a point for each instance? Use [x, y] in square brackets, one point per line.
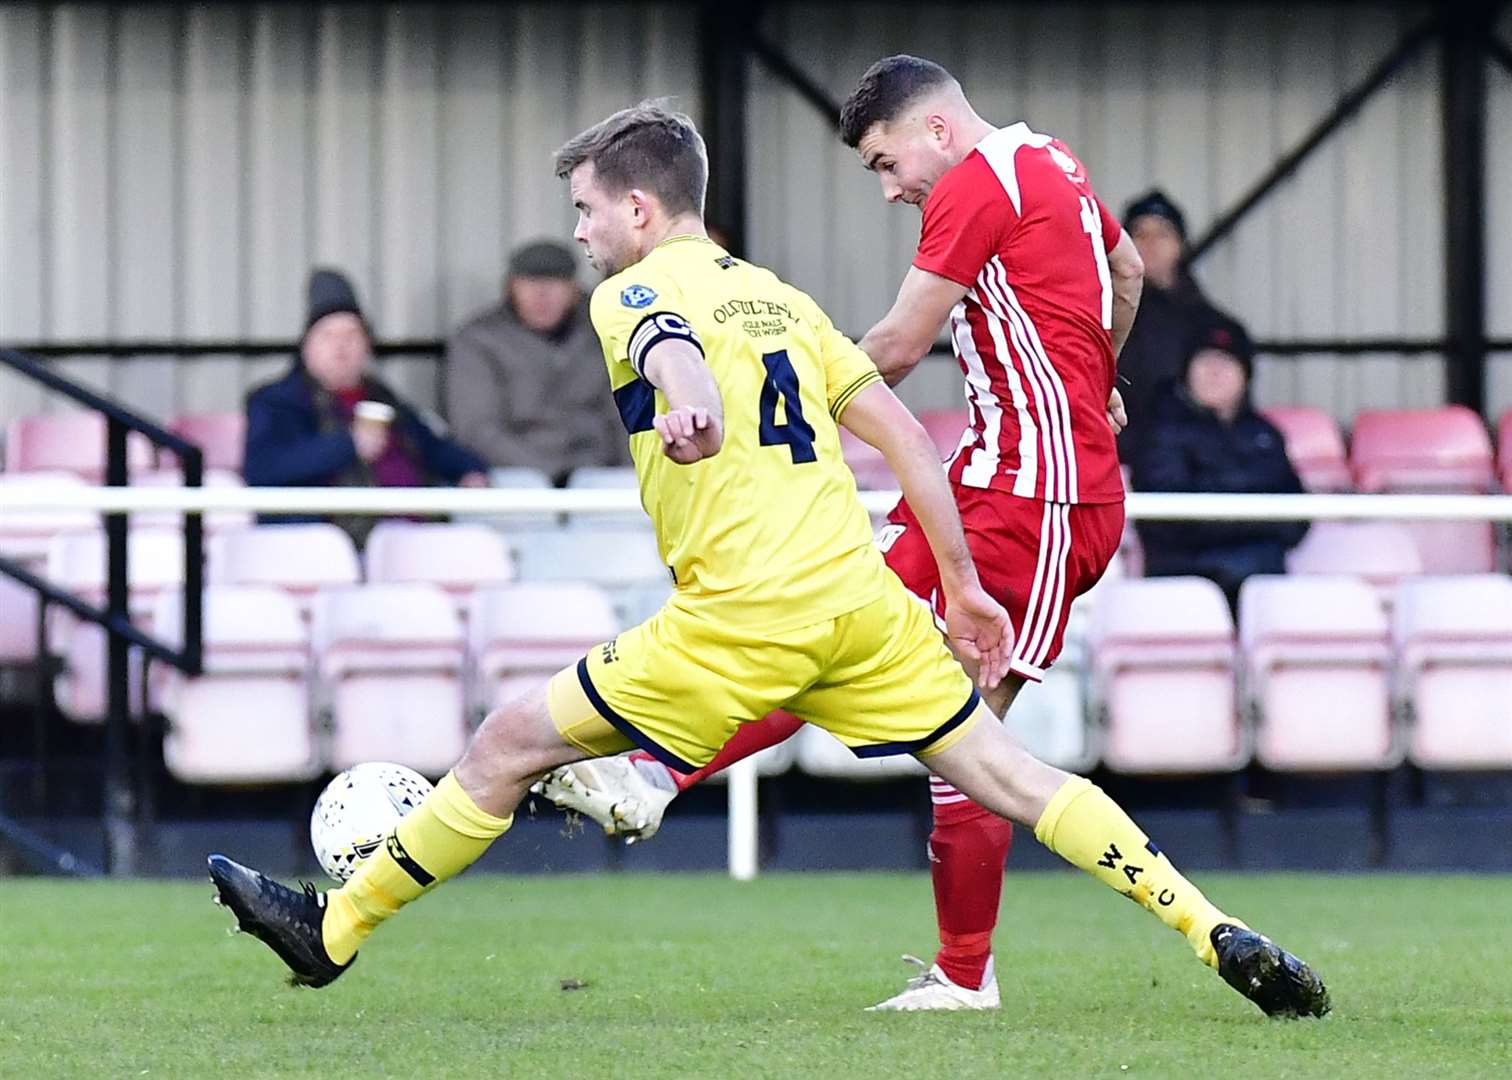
[767, 534]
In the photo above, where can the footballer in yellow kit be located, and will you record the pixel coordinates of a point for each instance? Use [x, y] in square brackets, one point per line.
[781, 599]
[730, 383]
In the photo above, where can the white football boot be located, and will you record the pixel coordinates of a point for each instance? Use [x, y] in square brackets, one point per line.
[932, 989]
[627, 798]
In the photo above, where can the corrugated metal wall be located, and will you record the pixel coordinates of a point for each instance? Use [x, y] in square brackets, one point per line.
[1198, 99]
[172, 172]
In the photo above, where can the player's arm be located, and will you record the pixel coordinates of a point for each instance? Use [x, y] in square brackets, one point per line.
[977, 624]
[692, 428]
[907, 332]
[1127, 270]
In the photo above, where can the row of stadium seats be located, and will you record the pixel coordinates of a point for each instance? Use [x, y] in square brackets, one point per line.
[1441, 450]
[465, 556]
[1318, 679]
[1445, 449]
[457, 557]
[75, 442]
[387, 672]
[1427, 450]
[1437, 449]
[300, 561]
[1434, 449]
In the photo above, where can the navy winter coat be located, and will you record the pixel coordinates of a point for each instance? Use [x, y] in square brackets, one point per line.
[293, 442]
[1188, 448]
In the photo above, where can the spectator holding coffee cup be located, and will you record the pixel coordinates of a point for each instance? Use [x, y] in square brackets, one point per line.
[330, 422]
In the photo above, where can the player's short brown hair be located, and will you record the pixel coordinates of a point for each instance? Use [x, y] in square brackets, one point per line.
[646, 146]
[888, 87]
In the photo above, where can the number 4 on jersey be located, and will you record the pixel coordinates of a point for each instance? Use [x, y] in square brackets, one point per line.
[782, 384]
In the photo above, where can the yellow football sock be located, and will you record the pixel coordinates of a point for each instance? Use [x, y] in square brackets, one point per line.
[438, 839]
[1087, 829]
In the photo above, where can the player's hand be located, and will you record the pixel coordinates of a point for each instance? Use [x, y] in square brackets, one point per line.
[979, 629]
[1118, 417]
[687, 434]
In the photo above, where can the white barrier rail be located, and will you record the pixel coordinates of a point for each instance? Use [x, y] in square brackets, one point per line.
[504, 502]
[507, 501]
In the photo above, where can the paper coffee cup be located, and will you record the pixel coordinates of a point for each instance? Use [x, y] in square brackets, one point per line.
[378, 412]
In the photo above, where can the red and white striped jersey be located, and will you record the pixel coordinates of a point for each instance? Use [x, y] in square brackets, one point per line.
[1018, 224]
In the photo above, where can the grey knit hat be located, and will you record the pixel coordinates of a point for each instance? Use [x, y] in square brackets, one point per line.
[330, 292]
[543, 259]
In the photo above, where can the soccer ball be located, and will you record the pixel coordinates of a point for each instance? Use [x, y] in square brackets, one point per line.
[357, 811]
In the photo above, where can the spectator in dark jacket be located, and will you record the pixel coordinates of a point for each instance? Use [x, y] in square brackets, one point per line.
[1204, 435]
[1172, 312]
[304, 430]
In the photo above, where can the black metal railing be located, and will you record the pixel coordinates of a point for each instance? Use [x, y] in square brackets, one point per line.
[120, 803]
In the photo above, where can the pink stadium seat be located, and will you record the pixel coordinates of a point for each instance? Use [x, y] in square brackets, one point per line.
[523, 634]
[247, 718]
[154, 560]
[1455, 547]
[18, 622]
[1315, 446]
[221, 436]
[1440, 449]
[1381, 552]
[1430, 450]
[73, 442]
[946, 427]
[1504, 450]
[1318, 666]
[1050, 718]
[215, 521]
[25, 536]
[1454, 643]
[1163, 676]
[295, 558]
[458, 558]
[868, 464]
[391, 660]
[76, 562]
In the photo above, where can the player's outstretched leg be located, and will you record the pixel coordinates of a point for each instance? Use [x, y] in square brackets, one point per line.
[317, 936]
[629, 794]
[1076, 820]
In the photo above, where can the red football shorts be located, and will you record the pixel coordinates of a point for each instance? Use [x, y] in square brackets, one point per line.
[1033, 557]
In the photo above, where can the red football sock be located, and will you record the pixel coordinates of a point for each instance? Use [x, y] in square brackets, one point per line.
[748, 739]
[967, 852]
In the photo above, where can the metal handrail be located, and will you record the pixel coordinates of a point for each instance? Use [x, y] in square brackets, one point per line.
[115, 617]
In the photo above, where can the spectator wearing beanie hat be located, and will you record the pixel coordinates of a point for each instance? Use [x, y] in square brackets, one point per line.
[524, 379]
[1205, 435]
[1172, 309]
[300, 430]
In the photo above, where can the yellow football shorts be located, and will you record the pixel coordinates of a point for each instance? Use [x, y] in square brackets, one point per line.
[879, 678]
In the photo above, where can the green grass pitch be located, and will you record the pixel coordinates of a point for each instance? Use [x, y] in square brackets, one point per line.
[700, 976]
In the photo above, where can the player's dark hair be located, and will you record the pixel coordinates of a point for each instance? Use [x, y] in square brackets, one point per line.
[646, 146]
[888, 87]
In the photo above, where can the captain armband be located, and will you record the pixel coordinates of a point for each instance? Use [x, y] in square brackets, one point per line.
[655, 328]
